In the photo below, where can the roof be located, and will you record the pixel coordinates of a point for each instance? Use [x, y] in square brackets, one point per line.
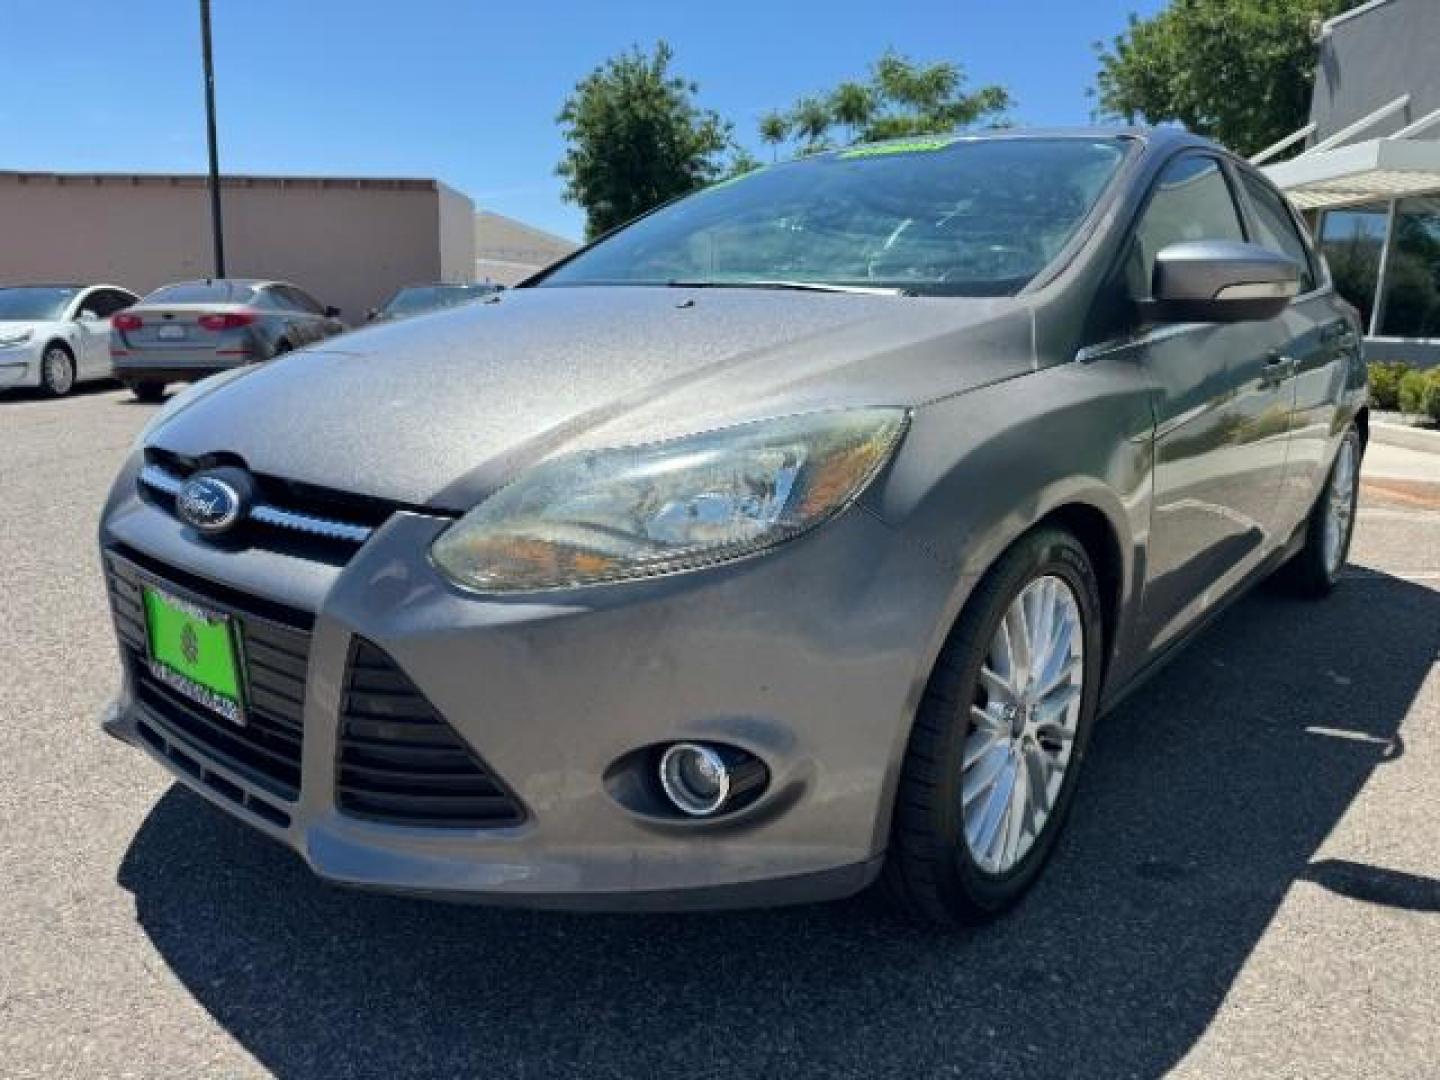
[97, 179]
[1367, 172]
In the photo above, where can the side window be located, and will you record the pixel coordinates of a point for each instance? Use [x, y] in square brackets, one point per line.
[1276, 227]
[311, 304]
[299, 300]
[1191, 201]
[107, 302]
[271, 299]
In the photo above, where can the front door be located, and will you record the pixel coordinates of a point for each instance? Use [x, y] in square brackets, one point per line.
[1222, 398]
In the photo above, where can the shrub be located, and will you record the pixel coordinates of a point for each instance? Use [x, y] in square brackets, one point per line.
[1420, 393]
[1385, 383]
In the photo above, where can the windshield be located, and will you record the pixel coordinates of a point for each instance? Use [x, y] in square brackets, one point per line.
[203, 292]
[35, 303]
[949, 216]
[412, 301]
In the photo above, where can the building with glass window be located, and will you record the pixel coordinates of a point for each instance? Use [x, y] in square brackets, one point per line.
[1367, 174]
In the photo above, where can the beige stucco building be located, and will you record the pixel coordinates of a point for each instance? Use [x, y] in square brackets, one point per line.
[350, 242]
[507, 251]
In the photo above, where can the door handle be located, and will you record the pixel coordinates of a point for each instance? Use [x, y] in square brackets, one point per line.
[1278, 368]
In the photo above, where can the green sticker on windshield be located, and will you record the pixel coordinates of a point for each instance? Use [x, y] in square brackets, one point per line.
[735, 179]
[909, 146]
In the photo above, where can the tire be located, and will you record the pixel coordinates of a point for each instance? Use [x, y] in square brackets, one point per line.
[1315, 569]
[931, 871]
[57, 370]
[148, 392]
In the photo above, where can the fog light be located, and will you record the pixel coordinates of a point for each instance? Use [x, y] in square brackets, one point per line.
[702, 780]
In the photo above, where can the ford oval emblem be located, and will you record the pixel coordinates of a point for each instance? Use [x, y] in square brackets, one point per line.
[209, 503]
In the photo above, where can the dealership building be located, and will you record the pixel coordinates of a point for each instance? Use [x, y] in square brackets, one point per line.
[349, 242]
[1365, 170]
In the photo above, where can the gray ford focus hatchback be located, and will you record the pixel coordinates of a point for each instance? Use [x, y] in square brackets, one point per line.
[789, 538]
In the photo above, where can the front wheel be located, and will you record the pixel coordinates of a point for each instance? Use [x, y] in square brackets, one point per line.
[57, 371]
[999, 737]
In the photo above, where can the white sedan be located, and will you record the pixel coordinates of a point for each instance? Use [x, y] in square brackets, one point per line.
[54, 336]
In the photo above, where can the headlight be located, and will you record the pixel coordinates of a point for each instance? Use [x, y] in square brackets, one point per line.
[628, 513]
[16, 339]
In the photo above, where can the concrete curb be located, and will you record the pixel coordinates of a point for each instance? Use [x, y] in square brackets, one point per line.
[1409, 438]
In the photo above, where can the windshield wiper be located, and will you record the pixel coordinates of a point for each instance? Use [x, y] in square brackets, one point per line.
[798, 286]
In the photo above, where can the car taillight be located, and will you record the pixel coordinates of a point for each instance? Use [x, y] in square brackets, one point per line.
[230, 320]
[126, 322]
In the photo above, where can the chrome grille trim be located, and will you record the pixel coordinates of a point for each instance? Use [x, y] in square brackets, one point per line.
[167, 483]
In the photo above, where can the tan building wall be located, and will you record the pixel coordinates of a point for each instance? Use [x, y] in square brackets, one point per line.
[349, 242]
[507, 251]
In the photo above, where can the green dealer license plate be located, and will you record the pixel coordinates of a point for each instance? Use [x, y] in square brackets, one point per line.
[195, 652]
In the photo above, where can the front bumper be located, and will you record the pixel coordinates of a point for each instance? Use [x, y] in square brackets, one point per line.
[19, 366]
[811, 657]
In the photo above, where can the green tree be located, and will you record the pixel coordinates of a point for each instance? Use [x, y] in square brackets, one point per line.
[810, 120]
[852, 104]
[1237, 71]
[900, 98]
[774, 130]
[636, 139]
[741, 162]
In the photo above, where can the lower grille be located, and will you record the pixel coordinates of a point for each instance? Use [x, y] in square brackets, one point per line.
[266, 750]
[399, 761]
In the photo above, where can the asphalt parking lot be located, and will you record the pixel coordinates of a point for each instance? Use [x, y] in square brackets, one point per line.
[1250, 887]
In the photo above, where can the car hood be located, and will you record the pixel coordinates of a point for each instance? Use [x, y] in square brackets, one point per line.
[11, 328]
[441, 409]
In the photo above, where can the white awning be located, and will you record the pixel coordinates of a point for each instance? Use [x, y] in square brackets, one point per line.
[1368, 172]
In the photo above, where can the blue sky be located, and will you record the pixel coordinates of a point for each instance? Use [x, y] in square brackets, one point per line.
[468, 91]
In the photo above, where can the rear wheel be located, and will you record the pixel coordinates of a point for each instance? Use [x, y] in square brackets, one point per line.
[57, 370]
[1315, 570]
[150, 391]
[999, 737]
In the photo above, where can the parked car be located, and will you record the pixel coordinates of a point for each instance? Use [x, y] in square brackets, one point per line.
[55, 336]
[186, 331]
[791, 537]
[418, 299]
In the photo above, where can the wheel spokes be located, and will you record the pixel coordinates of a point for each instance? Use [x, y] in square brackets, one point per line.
[1022, 724]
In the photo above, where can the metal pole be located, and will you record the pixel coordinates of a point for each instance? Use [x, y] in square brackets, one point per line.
[1382, 272]
[216, 223]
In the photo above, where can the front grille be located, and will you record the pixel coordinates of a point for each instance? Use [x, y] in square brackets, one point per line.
[399, 761]
[266, 749]
[289, 516]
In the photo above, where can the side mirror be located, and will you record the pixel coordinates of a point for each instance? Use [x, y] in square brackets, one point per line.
[1220, 281]
[332, 312]
[372, 314]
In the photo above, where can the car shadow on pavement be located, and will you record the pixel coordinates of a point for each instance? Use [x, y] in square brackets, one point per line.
[1204, 800]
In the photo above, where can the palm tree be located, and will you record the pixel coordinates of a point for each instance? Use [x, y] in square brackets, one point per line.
[774, 129]
[811, 121]
[852, 105]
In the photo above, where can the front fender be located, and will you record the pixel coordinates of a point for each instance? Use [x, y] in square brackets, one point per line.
[978, 470]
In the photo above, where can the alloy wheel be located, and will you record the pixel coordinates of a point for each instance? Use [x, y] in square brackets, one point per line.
[59, 371]
[1022, 724]
[1340, 506]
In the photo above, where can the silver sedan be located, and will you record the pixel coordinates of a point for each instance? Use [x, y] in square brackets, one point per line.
[789, 538]
[186, 331]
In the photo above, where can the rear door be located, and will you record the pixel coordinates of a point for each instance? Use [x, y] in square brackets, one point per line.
[101, 305]
[1222, 399]
[92, 335]
[1320, 343]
